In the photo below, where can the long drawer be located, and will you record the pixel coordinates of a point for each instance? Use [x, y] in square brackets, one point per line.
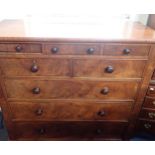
[70, 110]
[108, 68]
[69, 130]
[64, 89]
[21, 47]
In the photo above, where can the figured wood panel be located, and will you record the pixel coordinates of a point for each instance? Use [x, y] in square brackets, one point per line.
[75, 89]
[70, 49]
[118, 49]
[45, 67]
[70, 110]
[75, 130]
[25, 48]
[98, 68]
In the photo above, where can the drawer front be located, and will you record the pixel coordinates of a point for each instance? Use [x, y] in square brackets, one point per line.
[63, 89]
[149, 102]
[108, 68]
[70, 110]
[126, 49]
[69, 49]
[21, 47]
[146, 126]
[75, 130]
[35, 67]
[147, 114]
[151, 90]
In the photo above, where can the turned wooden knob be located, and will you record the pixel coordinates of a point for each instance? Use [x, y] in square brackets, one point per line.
[34, 68]
[105, 91]
[126, 51]
[98, 131]
[147, 126]
[39, 112]
[41, 131]
[101, 113]
[54, 50]
[36, 90]
[109, 69]
[152, 89]
[19, 48]
[90, 50]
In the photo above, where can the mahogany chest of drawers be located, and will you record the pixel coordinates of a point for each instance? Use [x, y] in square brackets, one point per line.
[76, 89]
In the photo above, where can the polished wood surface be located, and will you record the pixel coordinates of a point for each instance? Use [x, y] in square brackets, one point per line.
[68, 81]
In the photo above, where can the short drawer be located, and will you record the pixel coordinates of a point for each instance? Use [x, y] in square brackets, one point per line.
[108, 68]
[70, 111]
[71, 49]
[126, 49]
[151, 90]
[146, 126]
[147, 114]
[35, 67]
[70, 89]
[69, 130]
[149, 102]
[21, 47]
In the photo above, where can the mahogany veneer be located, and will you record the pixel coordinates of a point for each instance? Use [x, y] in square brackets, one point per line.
[60, 85]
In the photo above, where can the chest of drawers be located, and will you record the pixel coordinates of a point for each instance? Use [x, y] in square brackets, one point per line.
[75, 89]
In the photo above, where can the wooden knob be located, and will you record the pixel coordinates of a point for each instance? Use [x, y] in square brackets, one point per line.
[39, 112]
[41, 131]
[153, 103]
[54, 50]
[101, 113]
[147, 126]
[36, 90]
[152, 89]
[19, 48]
[151, 115]
[126, 51]
[34, 68]
[99, 131]
[90, 50]
[109, 69]
[105, 91]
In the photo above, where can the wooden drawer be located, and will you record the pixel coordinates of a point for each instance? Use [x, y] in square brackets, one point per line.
[69, 130]
[69, 49]
[147, 114]
[70, 110]
[151, 90]
[126, 49]
[21, 47]
[146, 126]
[65, 89]
[35, 67]
[149, 102]
[108, 68]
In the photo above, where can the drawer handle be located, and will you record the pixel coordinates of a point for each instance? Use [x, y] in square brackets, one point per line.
[36, 90]
[109, 69]
[90, 50]
[39, 112]
[126, 51]
[34, 67]
[152, 89]
[101, 113]
[151, 115]
[98, 131]
[153, 103]
[105, 91]
[54, 50]
[19, 48]
[147, 126]
[41, 131]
